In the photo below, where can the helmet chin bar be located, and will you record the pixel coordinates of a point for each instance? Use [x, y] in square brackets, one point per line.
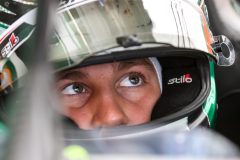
[223, 47]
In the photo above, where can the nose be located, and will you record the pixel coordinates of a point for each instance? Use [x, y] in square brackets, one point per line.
[109, 111]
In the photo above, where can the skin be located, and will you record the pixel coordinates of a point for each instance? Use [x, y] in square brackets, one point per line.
[111, 94]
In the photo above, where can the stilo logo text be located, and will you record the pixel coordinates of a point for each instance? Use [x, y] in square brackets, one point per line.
[183, 79]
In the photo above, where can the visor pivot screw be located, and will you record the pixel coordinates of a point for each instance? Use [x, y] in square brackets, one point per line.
[128, 41]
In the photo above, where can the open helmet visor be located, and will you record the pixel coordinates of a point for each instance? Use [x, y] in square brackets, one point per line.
[86, 28]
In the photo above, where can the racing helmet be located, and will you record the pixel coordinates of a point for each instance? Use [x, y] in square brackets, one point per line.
[89, 32]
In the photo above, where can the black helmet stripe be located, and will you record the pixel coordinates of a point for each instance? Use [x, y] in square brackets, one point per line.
[17, 8]
[8, 18]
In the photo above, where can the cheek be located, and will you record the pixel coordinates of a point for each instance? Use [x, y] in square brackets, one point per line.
[139, 113]
[133, 95]
[72, 108]
[141, 105]
[81, 116]
[75, 101]
[141, 96]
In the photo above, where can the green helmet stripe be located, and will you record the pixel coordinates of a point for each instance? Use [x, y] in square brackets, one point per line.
[209, 107]
[3, 25]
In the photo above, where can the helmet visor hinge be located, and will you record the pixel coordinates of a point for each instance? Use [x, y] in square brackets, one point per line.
[224, 50]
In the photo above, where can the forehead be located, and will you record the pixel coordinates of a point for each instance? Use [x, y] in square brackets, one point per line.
[133, 62]
[116, 66]
[123, 63]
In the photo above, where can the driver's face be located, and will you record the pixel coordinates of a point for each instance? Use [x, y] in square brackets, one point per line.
[105, 95]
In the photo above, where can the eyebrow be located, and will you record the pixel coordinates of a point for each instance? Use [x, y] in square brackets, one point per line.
[131, 63]
[72, 74]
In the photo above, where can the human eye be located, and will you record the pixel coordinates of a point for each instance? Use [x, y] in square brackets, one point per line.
[132, 80]
[74, 89]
